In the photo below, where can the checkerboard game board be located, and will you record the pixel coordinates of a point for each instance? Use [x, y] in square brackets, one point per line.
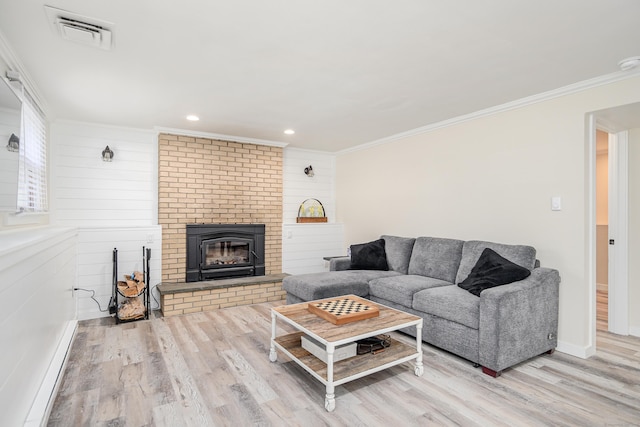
[344, 309]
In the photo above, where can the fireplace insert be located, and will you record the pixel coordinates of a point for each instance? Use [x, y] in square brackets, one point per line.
[222, 251]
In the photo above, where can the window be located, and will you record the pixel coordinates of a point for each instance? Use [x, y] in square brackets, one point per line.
[32, 175]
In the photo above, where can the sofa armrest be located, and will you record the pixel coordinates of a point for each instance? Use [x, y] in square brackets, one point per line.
[520, 320]
[340, 263]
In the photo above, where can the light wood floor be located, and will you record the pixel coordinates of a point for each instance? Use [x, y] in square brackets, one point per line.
[210, 369]
[602, 307]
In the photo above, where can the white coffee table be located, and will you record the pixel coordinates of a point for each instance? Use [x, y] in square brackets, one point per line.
[333, 374]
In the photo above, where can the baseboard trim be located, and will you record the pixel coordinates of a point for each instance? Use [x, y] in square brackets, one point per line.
[41, 408]
[634, 331]
[575, 350]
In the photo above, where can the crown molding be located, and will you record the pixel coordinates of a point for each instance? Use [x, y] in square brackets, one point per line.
[68, 122]
[219, 136]
[519, 103]
[310, 151]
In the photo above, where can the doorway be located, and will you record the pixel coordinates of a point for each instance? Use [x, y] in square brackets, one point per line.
[621, 124]
[602, 230]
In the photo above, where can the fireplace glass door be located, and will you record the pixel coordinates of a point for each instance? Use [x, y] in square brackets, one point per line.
[226, 253]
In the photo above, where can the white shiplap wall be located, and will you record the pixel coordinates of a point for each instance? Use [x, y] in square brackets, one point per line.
[113, 204]
[305, 245]
[88, 192]
[298, 187]
[37, 272]
[9, 123]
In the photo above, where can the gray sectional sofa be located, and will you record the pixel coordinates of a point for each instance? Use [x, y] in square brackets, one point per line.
[501, 327]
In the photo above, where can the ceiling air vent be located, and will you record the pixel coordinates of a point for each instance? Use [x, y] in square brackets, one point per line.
[80, 29]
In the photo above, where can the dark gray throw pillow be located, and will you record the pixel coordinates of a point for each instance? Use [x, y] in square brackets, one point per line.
[369, 256]
[492, 270]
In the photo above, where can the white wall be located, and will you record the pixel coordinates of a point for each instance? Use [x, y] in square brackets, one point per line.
[634, 232]
[305, 245]
[113, 204]
[37, 311]
[297, 187]
[491, 178]
[9, 124]
[37, 272]
[88, 192]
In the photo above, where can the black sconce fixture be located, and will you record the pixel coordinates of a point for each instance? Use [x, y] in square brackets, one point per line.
[14, 143]
[107, 154]
[308, 171]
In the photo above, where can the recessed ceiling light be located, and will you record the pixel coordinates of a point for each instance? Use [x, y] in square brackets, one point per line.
[289, 131]
[629, 63]
[193, 118]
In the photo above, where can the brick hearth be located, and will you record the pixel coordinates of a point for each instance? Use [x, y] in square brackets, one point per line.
[183, 298]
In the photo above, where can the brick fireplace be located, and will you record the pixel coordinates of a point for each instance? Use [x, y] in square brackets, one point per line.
[209, 181]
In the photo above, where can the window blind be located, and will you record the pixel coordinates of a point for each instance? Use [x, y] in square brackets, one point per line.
[32, 175]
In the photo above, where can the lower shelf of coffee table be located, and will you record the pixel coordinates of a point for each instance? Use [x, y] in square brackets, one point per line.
[397, 352]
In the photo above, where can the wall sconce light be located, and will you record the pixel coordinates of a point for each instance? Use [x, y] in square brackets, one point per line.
[107, 154]
[14, 143]
[308, 171]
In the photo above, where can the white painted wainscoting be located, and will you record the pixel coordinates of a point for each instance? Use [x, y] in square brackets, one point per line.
[95, 266]
[305, 245]
[37, 317]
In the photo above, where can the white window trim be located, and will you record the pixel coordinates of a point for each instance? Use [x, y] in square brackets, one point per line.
[32, 179]
[25, 218]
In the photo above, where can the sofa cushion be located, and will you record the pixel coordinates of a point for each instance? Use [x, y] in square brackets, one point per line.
[313, 286]
[369, 256]
[398, 252]
[450, 303]
[524, 256]
[400, 289]
[436, 257]
[490, 271]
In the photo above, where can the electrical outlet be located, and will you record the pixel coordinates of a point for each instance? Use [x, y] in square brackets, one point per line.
[149, 238]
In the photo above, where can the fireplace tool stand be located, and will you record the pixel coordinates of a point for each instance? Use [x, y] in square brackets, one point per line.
[131, 307]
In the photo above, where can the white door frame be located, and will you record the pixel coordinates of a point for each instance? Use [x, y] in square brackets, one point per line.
[618, 288]
[590, 250]
[618, 228]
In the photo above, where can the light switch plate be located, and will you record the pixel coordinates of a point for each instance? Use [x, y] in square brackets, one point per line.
[556, 203]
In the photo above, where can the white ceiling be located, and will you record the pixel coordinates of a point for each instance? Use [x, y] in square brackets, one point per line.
[341, 73]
